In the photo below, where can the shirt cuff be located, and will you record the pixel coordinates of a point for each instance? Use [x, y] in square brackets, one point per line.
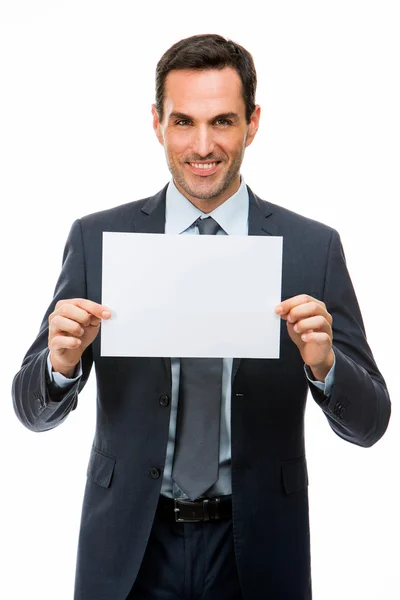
[325, 387]
[60, 381]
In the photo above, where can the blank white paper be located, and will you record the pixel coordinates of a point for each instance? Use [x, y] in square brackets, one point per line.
[191, 295]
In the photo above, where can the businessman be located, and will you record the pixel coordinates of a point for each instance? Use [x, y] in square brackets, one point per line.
[197, 478]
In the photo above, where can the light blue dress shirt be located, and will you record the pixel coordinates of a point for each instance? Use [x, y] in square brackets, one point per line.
[232, 216]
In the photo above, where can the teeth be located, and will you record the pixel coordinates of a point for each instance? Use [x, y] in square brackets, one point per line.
[203, 166]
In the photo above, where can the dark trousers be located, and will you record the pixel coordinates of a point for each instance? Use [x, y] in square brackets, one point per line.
[188, 561]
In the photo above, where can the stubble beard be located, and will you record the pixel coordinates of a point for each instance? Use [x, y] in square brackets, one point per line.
[205, 191]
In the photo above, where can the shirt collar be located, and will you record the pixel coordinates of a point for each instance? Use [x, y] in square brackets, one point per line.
[231, 215]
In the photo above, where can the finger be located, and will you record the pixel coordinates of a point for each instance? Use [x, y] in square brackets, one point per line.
[94, 322]
[316, 323]
[72, 312]
[310, 309]
[283, 308]
[63, 342]
[97, 310]
[59, 323]
[75, 313]
[318, 337]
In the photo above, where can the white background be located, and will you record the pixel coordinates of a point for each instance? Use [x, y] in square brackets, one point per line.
[77, 82]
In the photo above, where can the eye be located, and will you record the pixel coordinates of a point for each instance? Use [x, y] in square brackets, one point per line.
[223, 122]
[182, 122]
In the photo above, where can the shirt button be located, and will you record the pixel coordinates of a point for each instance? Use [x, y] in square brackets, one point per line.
[164, 400]
[154, 473]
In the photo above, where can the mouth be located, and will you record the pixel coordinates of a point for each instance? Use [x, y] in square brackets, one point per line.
[204, 169]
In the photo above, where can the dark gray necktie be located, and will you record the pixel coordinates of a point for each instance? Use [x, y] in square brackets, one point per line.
[196, 459]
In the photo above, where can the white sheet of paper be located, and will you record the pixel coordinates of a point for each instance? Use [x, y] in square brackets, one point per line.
[191, 295]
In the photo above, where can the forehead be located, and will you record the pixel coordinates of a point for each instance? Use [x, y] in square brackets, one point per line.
[199, 93]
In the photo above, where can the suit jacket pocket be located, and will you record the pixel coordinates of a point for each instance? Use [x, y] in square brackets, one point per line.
[294, 475]
[100, 468]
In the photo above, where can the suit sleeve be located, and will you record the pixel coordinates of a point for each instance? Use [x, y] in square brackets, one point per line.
[358, 409]
[37, 404]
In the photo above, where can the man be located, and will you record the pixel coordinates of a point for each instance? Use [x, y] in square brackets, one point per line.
[169, 513]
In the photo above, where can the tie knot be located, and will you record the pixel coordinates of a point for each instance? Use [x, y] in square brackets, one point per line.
[207, 226]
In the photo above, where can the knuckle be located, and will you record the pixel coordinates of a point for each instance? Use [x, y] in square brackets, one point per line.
[75, 343]
[63, 310]
[53, 323]
[77, 329]
[53, 343]
[57, 322]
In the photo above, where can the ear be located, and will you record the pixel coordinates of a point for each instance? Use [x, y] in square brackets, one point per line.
[156, 124]
[253, 125]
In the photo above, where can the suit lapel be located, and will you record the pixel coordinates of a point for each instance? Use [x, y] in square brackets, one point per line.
[151, 219]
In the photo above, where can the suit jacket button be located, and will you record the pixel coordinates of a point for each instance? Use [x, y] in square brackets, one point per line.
[154, 473]
[164, 400]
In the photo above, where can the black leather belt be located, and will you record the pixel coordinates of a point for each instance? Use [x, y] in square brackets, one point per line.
[186, 511]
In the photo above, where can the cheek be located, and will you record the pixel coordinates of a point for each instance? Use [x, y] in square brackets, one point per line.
[177, 143]
[229, 142]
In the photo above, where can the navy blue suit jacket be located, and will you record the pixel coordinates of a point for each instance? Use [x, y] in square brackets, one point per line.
[269, 472]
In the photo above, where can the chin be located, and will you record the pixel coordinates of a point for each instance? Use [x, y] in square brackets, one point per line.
[203, 192]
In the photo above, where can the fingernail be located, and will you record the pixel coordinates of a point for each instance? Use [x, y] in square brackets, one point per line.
[279, 310]
[296, 328]
[105, 314]
[304, 337]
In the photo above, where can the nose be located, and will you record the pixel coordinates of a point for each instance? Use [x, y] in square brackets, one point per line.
[203, 142]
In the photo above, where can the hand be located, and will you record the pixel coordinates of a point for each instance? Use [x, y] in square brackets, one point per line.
[310, 327]
[73, 326]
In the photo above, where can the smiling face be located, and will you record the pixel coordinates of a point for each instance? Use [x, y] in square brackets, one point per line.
[204, 133]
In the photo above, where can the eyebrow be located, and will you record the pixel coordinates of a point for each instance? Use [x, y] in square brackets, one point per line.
[181, 116]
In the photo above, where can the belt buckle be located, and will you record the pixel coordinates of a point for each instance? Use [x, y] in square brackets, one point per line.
[177, 510]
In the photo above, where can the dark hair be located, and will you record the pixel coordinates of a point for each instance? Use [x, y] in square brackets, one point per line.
[208, 51]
